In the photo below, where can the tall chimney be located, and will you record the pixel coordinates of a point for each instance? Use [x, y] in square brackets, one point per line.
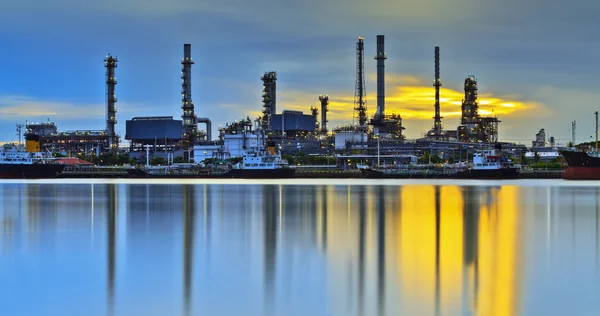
[188, 117]
[437, 123]
[380, 57]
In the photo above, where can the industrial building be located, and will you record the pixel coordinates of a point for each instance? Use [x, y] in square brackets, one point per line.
[69, 143]
[291, 131]
[161, 134]
[294, 124]
[475, 128]
[83, 142]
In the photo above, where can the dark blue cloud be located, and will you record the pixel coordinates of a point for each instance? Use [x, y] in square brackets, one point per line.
[53, 51]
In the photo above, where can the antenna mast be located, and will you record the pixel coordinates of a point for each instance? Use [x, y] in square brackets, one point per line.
[573, 127]
[19, 128]
[596, 113]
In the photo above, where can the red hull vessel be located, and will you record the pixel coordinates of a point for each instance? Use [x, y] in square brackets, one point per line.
[581, 166]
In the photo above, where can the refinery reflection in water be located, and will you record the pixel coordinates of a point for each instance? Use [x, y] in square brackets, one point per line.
[180, 249]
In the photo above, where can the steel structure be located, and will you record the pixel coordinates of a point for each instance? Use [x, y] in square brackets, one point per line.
[475, 128]
[269, 80]
[384, 125]
[110, 63]
[388, 125]
[70, 143]
[360, 91]
[380, 57]
[324, 99]
[437, 132]
[314, 111]
[470, 107]
[190, 128]
[238, 127]
[207, 121]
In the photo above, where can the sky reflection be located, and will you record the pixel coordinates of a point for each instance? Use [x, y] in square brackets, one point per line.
[182, 249]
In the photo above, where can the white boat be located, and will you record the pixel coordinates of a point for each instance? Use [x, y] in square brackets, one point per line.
[490, 163]
[261, 165]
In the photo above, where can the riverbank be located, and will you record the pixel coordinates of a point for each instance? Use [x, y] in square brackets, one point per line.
[127, 172]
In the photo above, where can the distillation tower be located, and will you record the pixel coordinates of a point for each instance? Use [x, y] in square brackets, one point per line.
[324, 99]
[269, 80]
[475, 128]
[110, 63]
[360, 92]
[189, 123]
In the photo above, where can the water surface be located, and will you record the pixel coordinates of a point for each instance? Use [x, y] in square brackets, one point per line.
[240, 248]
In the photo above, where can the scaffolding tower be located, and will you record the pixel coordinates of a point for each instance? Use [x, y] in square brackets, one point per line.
[269, 80]
[360, 91]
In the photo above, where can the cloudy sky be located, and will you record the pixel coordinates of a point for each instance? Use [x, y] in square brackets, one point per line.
[535, 60]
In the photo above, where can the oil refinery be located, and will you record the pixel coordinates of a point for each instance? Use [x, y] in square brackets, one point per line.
[380, 137]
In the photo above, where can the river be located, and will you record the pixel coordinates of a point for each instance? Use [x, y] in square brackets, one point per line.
[299, 247]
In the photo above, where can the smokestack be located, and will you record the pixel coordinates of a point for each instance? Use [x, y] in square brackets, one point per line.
[188, 117]
[437, 123]
[110, 63]
[381, 57]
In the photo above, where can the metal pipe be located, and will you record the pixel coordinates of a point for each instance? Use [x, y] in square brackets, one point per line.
[208, 123]
[380, 57]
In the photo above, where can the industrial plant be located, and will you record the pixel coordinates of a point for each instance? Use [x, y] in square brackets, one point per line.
[381, 136]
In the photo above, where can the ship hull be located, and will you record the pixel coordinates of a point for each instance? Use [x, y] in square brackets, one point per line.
[32, 171]
[503, 173]
[581, 166]
[260, 173]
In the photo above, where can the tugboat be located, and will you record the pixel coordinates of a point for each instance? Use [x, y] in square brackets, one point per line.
[20, 162]
[261, 165]
[490, 164]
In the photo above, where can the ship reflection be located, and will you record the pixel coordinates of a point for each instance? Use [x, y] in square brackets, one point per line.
[270, 244]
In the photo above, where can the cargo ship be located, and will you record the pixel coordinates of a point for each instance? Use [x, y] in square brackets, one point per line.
[582, 166]
[27, 162]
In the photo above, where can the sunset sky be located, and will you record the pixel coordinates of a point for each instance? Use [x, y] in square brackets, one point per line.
[535, 60]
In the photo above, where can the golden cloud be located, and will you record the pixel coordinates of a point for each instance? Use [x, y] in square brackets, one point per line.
[410, 97]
